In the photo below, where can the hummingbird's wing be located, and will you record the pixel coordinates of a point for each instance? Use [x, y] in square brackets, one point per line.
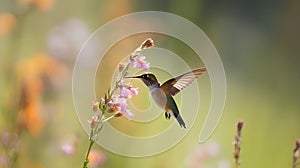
[175, 85]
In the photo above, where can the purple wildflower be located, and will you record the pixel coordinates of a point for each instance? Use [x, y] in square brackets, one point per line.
[126, 91]
[122, 108]
[139, 61]
[110, 103]
[134, 91]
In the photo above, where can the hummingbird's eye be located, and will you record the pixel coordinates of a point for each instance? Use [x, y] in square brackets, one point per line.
[145, 76]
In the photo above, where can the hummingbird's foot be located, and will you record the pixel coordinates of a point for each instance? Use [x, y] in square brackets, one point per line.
[167, 115]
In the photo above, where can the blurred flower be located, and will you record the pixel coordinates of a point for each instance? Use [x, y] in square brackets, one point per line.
[65, 41]
[68, 149]
[202, 154]
[121, 67]
[211, 150]
[96, 158]
[7, 23]
[95, 107]
[9, 140]
[139, 61]
[69, 145]
[30, 117]
[112, 10]
[36, 75]
[224, 164]
[11, 145]
[42, 5]
[4, 161]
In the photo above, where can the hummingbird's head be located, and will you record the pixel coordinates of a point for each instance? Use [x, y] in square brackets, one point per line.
[148, 78]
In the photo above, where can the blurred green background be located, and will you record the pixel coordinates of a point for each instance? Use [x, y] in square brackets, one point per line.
[258, 42]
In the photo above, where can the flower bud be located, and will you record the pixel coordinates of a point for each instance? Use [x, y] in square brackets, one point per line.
[95, 106]
[94, 122]
[147, 43]
[121, 67]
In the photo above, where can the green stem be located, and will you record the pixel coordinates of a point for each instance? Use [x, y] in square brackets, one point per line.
[92, 140]
[119, 78]
[109, 118]
[86, 160]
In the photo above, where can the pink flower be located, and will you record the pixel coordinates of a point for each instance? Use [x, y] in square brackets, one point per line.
[4, 161]
[119, 105]
[110, 103]
[68, 149]
[138, 61]
[202, 154]
[95, 107]
[126, 91]
[134, 91]
[94, 121]
[122, 108]
[102, 99]
[224, 164]
[96, 158]
[212, 150]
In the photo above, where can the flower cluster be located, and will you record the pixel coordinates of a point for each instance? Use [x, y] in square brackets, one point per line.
[65, 40]
[117, 103]
[204, 154]
[138, 61]
[114, 104]
[126, 90]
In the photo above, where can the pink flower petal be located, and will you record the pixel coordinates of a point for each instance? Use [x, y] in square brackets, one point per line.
[96, 158]
[68, 149]
[134, 91]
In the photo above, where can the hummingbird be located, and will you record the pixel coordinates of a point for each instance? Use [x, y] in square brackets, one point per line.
[163, 94]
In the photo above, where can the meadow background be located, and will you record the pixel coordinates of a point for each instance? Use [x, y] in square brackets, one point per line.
[258, 42]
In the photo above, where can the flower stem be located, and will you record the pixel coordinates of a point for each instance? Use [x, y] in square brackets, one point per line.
[296, 153]
[119, 78]
[237, 144]
[86, 160]
[109, 118]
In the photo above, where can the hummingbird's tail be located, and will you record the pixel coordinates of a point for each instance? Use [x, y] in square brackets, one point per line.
[180, 121]
[172, 108]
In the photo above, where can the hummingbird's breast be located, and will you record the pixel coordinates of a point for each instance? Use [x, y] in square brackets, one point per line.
[159, 97]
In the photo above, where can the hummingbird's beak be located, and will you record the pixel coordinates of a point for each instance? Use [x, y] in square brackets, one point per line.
[132, 77]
